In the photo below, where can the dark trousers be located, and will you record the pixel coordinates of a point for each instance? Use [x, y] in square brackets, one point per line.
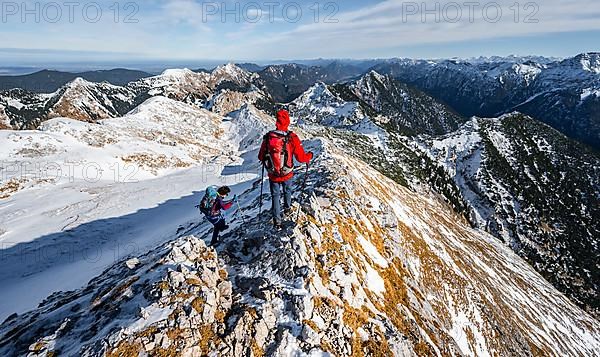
[219, 227]
[276, 188]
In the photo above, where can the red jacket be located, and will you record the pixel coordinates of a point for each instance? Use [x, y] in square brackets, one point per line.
[282, 124]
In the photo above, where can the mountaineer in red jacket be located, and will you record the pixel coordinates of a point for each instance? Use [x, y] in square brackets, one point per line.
[277, 152]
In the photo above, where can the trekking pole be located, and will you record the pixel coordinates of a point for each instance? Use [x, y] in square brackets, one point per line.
[240, 211]
[262, 179]
[301, 193]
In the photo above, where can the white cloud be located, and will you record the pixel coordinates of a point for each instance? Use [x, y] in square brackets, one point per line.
[176, 29]
[185, 11]
[389, 25]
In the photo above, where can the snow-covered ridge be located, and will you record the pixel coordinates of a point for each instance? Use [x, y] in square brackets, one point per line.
[369, 261]
[509, 161]
[148, 293]
[159, 127]
[231, 72]
[319, 105]
[178, 73]
[143, 167]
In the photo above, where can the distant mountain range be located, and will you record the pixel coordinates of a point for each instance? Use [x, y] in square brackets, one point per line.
[48, 81]
[564, 94]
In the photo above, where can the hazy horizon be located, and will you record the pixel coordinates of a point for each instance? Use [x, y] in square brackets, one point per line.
[158, 65]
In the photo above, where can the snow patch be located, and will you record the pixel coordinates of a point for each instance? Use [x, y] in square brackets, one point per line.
[372, 251]
[374, 281]
[588, 92]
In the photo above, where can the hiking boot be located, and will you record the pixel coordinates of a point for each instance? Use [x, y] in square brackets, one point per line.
[277, 226]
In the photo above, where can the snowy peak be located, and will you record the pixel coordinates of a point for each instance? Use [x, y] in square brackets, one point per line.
[230, 71]
[589, 62]
[88, 101]
[372, 85]
[178, 84]
[196, 87]
[513, 75]
[409, 110]
[374, 75]
[528, 70]
[320, 105]
[78, 82]
[233, 75]
[375, 98]
[178, 73]
[79, 99]
[318, 93]
[278, 71]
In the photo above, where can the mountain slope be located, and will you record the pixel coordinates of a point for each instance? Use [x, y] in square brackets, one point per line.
[536, 190]
[225, 89]
[385, 101]
[78, 99]
[76, 196]
[371, 268]
[87, 101]
[513, 177]
[286, 82]
[24, 109]
[553, 92]
[409, 110]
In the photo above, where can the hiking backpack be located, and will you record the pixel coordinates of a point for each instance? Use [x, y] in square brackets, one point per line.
[279, 160]
[208, 201]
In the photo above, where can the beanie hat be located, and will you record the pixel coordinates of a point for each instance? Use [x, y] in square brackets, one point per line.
[283, 120]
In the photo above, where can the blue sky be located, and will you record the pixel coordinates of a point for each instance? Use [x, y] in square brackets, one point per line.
[182, 30]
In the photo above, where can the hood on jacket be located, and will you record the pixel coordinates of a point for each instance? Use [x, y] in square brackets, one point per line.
[283, 120]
